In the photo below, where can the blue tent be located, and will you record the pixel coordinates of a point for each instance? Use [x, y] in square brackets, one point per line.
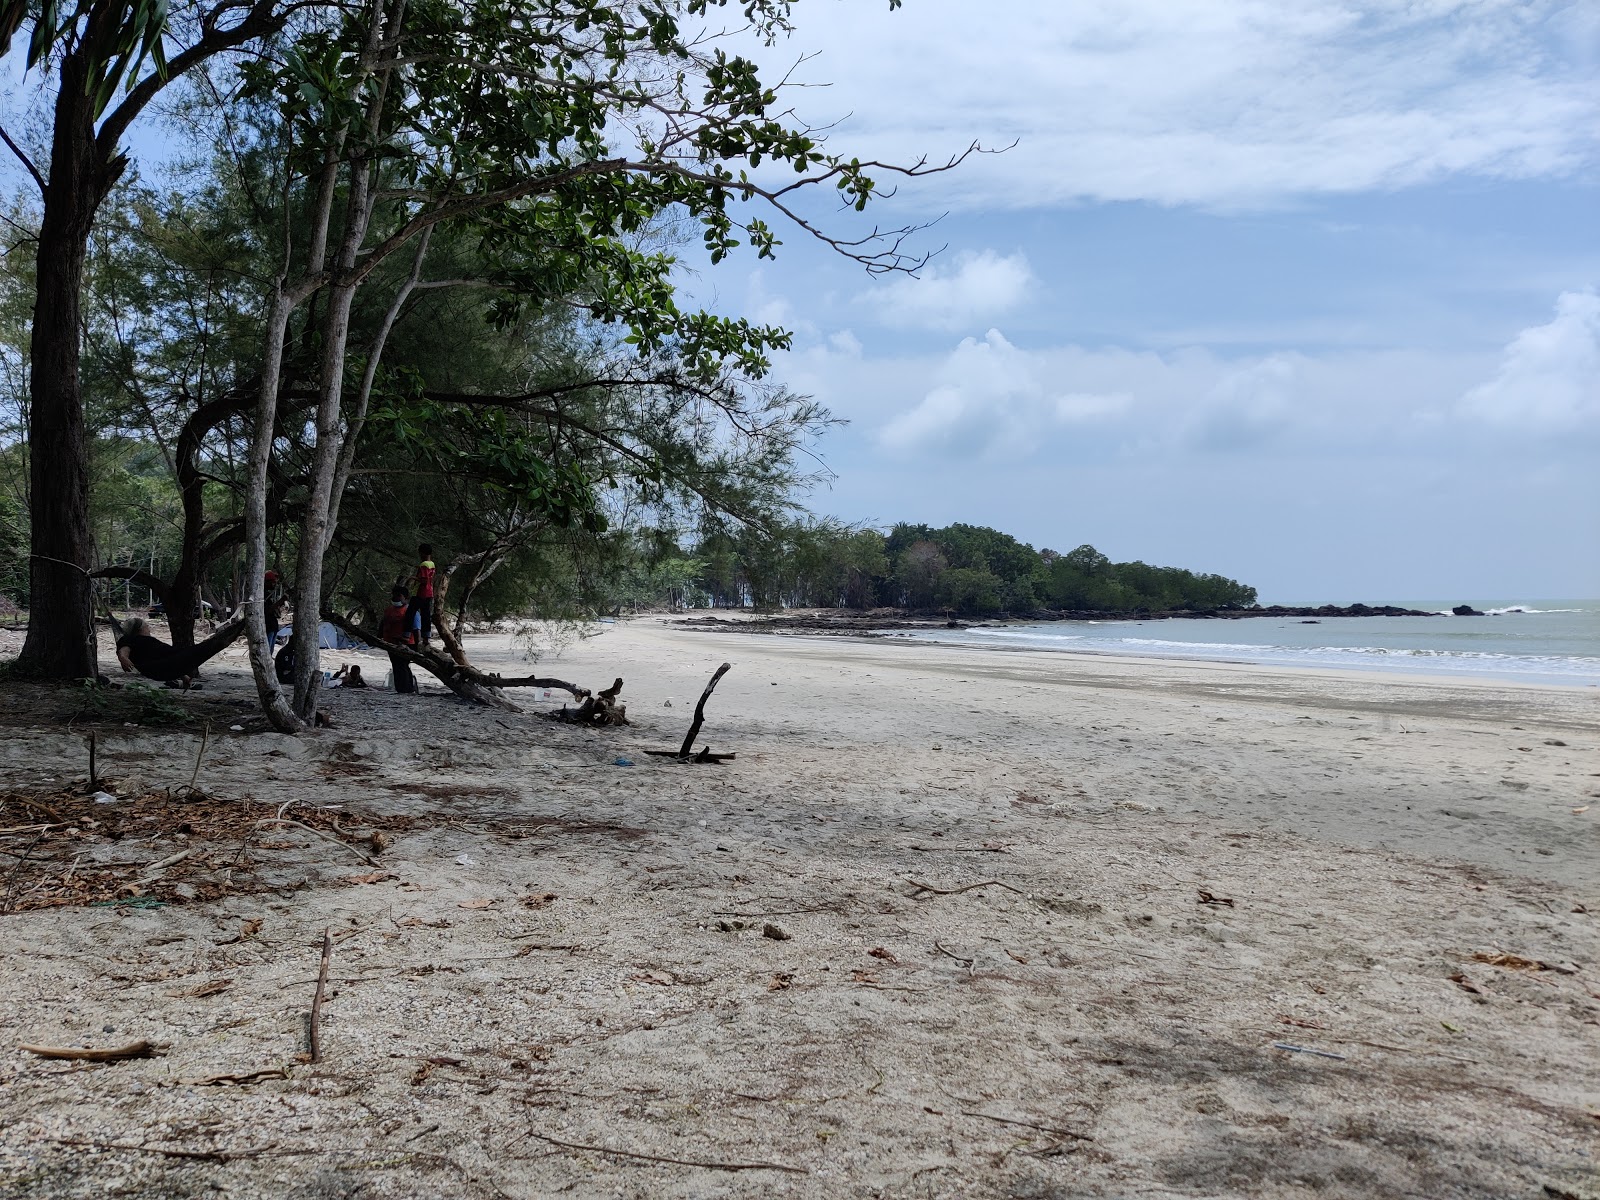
[328, 638]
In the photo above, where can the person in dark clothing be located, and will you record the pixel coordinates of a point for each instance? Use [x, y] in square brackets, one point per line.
[273, 595]
[394, 627]
[138, 650]
[283, 664]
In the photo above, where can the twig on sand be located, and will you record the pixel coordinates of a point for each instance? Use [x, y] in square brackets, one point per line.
[965, 962]
[928, 887]
[314, 1037]
[1066, 1133]
[143, 1048]
[366, 858]
[218, 1156]
[248, 1077]
[682, 1162]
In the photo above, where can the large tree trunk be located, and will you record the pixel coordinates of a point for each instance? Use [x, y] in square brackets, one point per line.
[60, 643]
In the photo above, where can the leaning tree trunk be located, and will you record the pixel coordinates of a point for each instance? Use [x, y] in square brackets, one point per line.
[61, 640]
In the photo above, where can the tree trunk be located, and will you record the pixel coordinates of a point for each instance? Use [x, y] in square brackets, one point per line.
[255, 517]
[61, 640]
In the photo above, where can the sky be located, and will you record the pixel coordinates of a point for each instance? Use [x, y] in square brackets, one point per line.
[1302, 291]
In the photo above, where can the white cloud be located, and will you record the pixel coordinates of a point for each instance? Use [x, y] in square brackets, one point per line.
[991, 400]
[1549, 378]
[1250, 404]
[972, 290]
[1243, 102]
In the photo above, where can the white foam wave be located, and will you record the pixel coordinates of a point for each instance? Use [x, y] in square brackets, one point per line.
[1523, 608]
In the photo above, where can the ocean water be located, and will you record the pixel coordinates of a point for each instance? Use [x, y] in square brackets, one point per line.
[1543, 641]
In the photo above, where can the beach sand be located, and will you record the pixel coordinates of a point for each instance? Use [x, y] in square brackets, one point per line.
[954, 923]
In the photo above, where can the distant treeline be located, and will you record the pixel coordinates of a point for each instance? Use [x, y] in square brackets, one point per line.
[966, 569]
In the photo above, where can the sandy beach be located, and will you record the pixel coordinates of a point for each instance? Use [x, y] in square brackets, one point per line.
[953, 923]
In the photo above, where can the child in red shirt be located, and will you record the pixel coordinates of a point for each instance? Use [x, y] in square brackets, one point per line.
[422, 594]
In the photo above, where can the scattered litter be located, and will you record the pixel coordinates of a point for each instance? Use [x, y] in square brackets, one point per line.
[1578, 812]
[103, 798]
[466, 860]
[475, 903]
[780, 981]
[1306, 1050]
[619, 761]
[1207, 898]
[235, 728]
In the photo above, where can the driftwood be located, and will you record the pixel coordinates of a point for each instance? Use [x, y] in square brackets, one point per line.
[466, 681]
[139, 1049]
[600, 709]
[685, 752]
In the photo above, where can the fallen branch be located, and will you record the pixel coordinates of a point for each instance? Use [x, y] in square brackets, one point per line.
[685, 753]
[928, 887]
[314, 1040]
[600, 709]
[682, 1162]
[700, 711]
[465, 681]
[143, 1048]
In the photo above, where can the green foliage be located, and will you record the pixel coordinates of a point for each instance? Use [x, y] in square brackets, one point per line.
[968, 569]
[119, 37]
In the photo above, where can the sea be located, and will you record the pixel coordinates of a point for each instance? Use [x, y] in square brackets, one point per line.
[1537, 641]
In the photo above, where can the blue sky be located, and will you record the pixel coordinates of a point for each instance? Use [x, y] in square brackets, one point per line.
[1299, 292]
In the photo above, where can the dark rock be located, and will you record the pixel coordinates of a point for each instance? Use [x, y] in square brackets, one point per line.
[1465, 610]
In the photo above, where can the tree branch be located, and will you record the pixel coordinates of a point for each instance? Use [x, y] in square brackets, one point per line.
[38, 178]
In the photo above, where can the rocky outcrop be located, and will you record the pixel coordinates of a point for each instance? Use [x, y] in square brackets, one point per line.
[1465, 610]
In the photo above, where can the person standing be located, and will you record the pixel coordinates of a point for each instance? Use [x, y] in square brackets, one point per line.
[272, 606]
[394, 627]
[422, 594]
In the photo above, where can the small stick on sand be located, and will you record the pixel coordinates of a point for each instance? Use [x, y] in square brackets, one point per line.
[366, 858]
[205, 736]
[314, 1040]
[143, 1048]
[682, 1162]
[928, 887]
[1066, 1133]
[219, 1156]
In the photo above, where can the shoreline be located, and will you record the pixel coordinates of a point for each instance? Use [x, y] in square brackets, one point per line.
[755, 626]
